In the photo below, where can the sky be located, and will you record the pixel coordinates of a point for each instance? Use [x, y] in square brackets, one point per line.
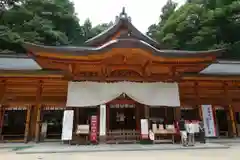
[142, 12]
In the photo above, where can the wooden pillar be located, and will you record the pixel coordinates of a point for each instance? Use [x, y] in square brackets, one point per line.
[3, 91]
[215, 120]
[1, 115]
[107, 118]
[197, 99]
[165, 113]
[38, 112]
[177, 113]
[200, 112]
[232, 127]
[32, 123]
[137, 118]
[233, 122]
[2, 111]
[77, 116]
[38, 123]
[27, 124]
[146, 111]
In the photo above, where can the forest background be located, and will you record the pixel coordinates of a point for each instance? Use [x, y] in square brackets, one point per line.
[196, 25]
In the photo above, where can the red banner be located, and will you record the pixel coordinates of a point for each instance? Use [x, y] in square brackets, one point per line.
[94, 129]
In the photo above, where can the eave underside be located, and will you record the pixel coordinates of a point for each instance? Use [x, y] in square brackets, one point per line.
[53, 91]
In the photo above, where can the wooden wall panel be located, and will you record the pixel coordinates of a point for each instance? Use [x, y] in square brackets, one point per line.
[55, 92]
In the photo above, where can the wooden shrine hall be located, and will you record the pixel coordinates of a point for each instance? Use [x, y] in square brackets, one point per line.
[118, 86]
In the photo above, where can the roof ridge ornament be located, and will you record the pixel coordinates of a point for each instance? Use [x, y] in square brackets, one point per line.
[124, 15]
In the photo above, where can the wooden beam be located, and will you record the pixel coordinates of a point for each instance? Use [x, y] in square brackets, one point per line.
[211, 78]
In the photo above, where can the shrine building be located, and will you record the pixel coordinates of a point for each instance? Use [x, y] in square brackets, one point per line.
[117, 86]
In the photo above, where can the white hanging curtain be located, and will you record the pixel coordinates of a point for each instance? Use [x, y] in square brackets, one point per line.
[83, 94]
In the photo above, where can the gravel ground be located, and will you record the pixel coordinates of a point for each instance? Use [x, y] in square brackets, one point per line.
[210, 154]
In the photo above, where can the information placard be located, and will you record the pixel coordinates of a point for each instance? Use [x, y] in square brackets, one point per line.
[144, 128]
[94, 129]
[67, 128]
[208, 120]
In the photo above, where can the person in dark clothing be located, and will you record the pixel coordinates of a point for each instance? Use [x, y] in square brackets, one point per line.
[183, 132]
[202, 132]
[182, 125]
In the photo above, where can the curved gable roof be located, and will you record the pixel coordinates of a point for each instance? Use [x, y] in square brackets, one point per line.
[119, 43]
[122, 22]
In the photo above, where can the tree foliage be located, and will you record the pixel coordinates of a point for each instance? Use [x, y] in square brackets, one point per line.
[89, 31]
[201, 25]
[48, 22]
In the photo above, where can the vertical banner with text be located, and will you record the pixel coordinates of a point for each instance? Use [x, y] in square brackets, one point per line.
[67, 128]
[208, 120]
[94, 129]
[144, 128]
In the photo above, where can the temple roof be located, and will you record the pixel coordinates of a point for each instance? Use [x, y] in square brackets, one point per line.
[221, 68]
[226, 68]
[125, 27]
[118, 43]
[18, 63]
[129, 38]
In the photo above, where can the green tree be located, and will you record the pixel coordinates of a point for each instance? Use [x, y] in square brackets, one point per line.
[202, 25]
[167, 10]
[89, 31]
[40, 21]
[6, 4]
[100, 28]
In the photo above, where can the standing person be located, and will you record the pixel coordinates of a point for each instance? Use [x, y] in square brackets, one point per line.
[202, 132]
[183, 132]
[190, 131]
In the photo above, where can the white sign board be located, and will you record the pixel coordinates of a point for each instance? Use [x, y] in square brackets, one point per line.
[67, 127]
[151, 135]
[44, 130]
[82, 129]
[208, 120]
[144, 128]
[102, 120]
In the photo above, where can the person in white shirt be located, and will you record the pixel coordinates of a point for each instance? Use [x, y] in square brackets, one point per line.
[190, 131]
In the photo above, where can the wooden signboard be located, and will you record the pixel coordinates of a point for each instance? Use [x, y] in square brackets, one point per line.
[94, 129]
[16, 108]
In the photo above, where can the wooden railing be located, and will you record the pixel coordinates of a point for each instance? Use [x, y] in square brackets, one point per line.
[123, 136]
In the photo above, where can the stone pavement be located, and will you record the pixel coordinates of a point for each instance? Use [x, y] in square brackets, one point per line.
[15, 145]
[65, 148]
[224, 140]
[202, 154]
